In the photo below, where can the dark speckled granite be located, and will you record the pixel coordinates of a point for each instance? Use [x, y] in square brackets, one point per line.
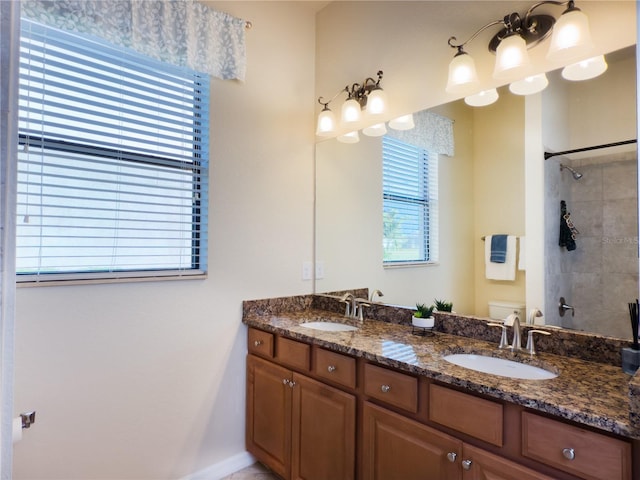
[596, 394]
[570, 343]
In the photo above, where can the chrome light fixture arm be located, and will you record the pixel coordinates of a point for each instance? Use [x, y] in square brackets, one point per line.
[325, 105]
[359, 92]
[531, 23]
[356, 91]
[482, 29]
[533, 28]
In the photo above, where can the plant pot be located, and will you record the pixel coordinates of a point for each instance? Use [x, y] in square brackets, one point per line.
[422, 322]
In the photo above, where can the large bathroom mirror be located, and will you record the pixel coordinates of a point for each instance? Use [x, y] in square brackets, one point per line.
[482, 190]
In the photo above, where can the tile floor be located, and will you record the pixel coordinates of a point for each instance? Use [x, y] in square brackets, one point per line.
[254, 472]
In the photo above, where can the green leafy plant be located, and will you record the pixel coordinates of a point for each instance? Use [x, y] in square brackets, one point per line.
[423, 311]
[443, 305]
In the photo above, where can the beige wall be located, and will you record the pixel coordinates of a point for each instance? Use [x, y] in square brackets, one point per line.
[146, 380]
[499, 191]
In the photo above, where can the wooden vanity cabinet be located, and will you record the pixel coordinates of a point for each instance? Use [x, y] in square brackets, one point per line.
[323, 431]
[306, 406]
[398, 448]
[268, 427]
[478, 464]
[575, 450]
[297, 426]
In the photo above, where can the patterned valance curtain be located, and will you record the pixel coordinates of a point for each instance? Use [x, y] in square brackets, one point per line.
[180, 32]
[432, 132]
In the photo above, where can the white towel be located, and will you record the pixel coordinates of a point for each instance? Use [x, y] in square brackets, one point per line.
[501, 271]
[522, 258]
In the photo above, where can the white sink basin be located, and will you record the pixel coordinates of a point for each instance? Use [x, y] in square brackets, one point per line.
[499, 366]
[329, 326]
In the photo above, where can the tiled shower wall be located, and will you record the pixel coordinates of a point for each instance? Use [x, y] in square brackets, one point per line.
[600, 277]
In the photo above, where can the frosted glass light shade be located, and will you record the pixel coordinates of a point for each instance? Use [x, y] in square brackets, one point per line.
[586, 69]
[529, 85]
[376, 130]
[376, 102]
[571, 37]
[463, 78]
[326, 123]
[351, 137]
[512, 59]
[351, 112]
[405, 122]
[482, 99]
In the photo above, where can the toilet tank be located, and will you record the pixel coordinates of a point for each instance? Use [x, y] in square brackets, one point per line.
[500, 309]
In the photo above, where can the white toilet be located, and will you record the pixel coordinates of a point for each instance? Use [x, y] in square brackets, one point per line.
[500, 309]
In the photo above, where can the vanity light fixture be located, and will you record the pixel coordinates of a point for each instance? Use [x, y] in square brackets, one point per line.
[404, 122]
[570, 40]
[366, 104]
[483, 98]
[529, 85]
[368, 98]
[585, 69]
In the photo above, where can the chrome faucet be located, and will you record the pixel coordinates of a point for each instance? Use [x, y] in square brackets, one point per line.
[349, 301]
[516, 344]
[374, 293]
[354, 307]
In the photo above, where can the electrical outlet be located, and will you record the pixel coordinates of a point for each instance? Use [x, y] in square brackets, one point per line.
[307, 270]
[319, 270]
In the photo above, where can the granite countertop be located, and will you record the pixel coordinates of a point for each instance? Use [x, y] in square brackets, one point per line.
[589, 393]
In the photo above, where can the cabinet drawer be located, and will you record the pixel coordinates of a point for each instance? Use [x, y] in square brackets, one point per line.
[335, 367]
[260, 343]
[292, 353]
[587, 454]
[480, 418]
[391, 387]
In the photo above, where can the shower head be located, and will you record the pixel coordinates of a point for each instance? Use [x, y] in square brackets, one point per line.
[576, 175]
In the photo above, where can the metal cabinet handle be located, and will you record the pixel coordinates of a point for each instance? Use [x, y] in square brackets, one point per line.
[466, 464]
[257, 343]
[451, 456]
[385, 388]
[569, 453]
[285, 381]
[331, 368]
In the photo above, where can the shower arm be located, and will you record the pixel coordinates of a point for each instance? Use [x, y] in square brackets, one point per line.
[548, 155]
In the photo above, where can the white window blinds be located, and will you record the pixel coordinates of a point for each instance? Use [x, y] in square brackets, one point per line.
[112, 164]
[410, 203]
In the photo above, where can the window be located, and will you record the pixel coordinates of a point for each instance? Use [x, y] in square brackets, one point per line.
[112, 164]
[410, 203]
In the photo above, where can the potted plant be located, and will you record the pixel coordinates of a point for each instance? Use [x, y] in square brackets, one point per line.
[423, 316]
[443, 306]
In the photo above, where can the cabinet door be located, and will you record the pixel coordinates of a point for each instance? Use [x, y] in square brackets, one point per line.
[478, 464]
[396, 448]
[268, 426]
[323, 431]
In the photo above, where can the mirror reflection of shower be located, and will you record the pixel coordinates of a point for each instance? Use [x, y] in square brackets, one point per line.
[601, 273]
[576, 175]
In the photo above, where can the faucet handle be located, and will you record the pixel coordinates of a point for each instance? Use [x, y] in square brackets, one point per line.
[531, 347]
[504, 341]
[360, 304]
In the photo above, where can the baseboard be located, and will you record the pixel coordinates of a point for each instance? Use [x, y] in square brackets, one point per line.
[224, 468]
